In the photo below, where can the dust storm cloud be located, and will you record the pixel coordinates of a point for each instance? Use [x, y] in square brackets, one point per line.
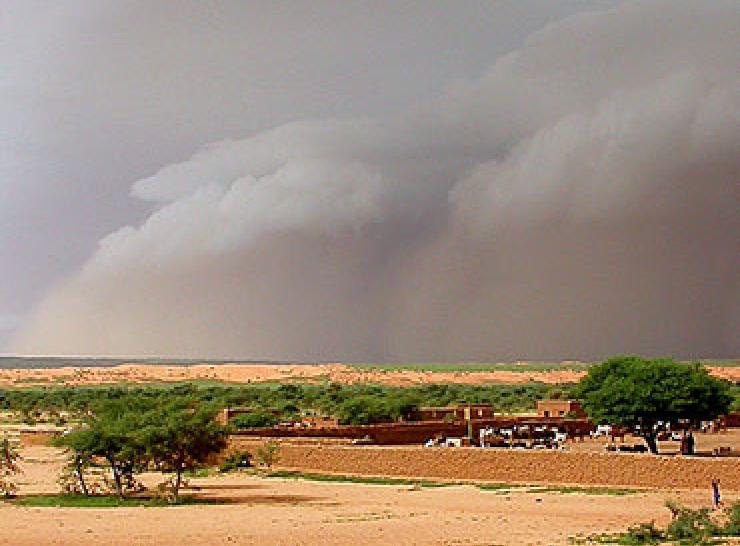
[577, 200]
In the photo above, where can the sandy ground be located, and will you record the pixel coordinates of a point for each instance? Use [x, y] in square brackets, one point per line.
[296, 512]
[243, 373]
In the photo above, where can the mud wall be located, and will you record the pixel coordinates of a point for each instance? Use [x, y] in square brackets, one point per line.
[525, 467]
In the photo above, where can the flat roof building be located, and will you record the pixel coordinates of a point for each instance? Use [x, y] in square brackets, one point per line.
[560, 408]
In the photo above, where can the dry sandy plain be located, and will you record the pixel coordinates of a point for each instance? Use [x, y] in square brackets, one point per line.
[268, 511]
[251, 373]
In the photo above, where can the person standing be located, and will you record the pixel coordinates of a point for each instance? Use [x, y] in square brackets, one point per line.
[716, 499]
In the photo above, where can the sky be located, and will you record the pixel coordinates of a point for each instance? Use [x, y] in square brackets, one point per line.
[370, 180]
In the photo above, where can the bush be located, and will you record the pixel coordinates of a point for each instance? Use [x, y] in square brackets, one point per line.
[364, 410]
[687, 528]
[236, 461]
[254, 419]
[267, 455]
[644, 533]
[691, 526]
[732, 527]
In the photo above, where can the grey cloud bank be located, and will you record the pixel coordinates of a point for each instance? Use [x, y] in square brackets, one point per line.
[579, 199]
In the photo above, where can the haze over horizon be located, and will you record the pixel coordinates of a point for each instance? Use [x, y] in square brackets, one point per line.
[370, 181]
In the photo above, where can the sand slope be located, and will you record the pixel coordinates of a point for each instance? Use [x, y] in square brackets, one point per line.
[250, 373]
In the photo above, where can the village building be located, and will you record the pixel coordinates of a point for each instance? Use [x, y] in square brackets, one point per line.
[560, 408]
[459, 412]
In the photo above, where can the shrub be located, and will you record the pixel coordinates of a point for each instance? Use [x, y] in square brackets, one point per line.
[237, 460]
[691, 526]
[364, 410]
[644, 533]
[687, 528]
[732, 527]
[267, 455]
[254, 419]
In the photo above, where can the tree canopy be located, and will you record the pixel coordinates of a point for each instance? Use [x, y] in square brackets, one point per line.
[181, 436]
[131, 435]
[638, 393]
[287, 400]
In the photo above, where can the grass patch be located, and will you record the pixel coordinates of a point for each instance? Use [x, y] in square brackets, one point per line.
[371, 480]
[81, 501]
[366, 480]
[577, 490]
[204, 472]
[499, 487]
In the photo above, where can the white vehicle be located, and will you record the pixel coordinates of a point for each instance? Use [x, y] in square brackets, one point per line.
[561, 437]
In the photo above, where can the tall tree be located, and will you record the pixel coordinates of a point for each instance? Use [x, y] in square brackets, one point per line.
[80, 446]
[181, 436]
[112, 433]
[638, 393]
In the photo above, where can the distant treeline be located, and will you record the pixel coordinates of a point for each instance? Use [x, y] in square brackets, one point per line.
[351, 404]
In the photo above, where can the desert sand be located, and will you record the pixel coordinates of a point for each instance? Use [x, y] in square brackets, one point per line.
[254, 373]
[269, 511]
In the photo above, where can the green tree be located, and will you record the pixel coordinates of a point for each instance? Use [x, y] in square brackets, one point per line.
[181, 436]
[9, 468]
[638, 393]
[364, 410]
[113, 433]
[80, 447]
[254, 419]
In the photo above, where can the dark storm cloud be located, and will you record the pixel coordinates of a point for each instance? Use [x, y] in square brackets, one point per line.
[96, 94]
[576, 199]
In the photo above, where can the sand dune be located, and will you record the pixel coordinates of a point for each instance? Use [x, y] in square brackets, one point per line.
[255, 373]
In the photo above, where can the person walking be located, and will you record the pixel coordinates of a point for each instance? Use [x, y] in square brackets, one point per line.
[716, 499]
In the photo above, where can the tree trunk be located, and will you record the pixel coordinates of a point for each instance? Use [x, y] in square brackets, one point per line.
[81, 477]
[651, 441]
[178, 481]
[116, 477]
